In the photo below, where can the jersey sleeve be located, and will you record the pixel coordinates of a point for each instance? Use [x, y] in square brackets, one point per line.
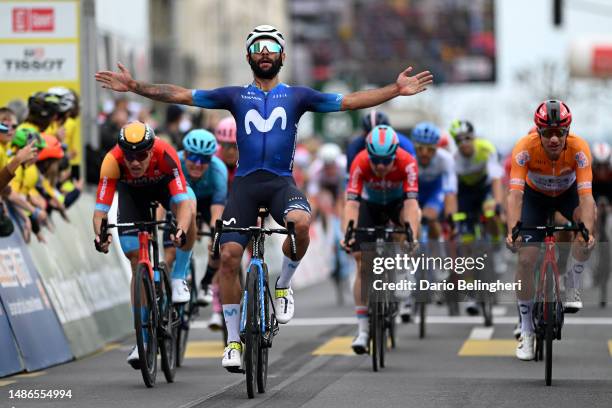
[355, 183]
[219, 98]
[220, 179]
[316, 101]
[172, 166]
[584, 173]
[109, 175]
[411, 179]
[449, 175]
[519, 166]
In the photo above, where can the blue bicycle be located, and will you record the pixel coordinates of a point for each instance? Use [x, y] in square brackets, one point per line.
[258, 324]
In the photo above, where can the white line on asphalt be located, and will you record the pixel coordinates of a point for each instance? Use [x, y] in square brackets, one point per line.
[481, 333]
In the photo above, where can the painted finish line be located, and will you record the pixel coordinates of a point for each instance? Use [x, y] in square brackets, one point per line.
[334, 321]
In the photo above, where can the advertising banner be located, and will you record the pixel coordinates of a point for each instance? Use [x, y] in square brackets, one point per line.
[39, 47]
[10, 362]
[41, 341]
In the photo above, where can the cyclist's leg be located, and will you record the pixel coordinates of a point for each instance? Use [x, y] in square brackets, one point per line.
[288, 204]
[180, 289]
[569, 208]
[241, 211]
[534, 211]
[360, 293]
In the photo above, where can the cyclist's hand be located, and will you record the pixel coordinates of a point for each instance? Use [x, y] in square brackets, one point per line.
[410, 85]
[347, 247]
[587, 245]
[178, 237]
[513, 245]
[103, 246]
[117, 81]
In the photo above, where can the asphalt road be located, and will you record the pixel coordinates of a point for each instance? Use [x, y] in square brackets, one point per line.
[458, 364]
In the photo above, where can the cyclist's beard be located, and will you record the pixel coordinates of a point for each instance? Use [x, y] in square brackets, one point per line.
[266, 73]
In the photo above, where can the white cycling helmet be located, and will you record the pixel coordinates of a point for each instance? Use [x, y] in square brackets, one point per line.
[601, 153]
[265, 31]
[67, 100]
[329, 153]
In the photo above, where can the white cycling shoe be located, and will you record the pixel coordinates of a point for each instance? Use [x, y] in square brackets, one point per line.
[360, 343]
[133, 359]
[283, 304]
[216, 322]
[205, 296]
[180, 291]
[573, 302]
[232, 357]
[525, 350]
[405, 312]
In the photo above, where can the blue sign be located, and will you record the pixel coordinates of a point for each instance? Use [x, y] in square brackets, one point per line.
[9, 357]
[39, 335]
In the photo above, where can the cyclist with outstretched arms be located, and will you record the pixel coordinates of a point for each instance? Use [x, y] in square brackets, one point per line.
[551, 170]
[383, 186]
[143, 169]
[267, 112]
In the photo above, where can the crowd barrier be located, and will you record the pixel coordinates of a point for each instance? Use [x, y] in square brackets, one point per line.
[63, 300]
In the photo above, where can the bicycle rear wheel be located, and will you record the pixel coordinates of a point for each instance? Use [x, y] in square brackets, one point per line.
[168, 325]
[550, 325]
[145, 325]
[262, 356]
[374, 332]
[251, 339]
[185, 314]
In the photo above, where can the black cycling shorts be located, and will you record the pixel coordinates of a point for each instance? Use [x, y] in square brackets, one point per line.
[134, 205]
[537, 206]
[470, 198]
[260, 189]
[372, 215]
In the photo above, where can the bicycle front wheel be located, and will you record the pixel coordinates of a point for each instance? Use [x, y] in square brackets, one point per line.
[262, 356]
[168, 325]
[550, 325]
[374, 332]
[251, 339]
[145, 324]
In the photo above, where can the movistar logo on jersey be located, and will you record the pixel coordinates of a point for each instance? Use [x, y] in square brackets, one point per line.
[254, 118]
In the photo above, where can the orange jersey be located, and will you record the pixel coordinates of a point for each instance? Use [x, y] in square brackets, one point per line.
[530, 164]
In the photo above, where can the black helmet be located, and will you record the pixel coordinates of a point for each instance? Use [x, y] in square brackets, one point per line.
[43, 104]
[373, 119]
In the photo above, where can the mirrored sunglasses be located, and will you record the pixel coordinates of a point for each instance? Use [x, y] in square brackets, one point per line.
[199, 158]
[271, 46]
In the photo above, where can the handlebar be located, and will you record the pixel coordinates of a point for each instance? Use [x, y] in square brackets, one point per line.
[254, 231]
[378, 231]
[550, 229]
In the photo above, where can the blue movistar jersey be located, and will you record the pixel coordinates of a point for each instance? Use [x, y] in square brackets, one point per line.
[266, 122]
[212, 185]
[358, 144]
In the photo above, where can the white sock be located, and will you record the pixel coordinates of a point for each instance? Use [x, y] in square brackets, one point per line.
[287, 271]
[362, 318]
[574, 273]
[525, 309]
[231, 314]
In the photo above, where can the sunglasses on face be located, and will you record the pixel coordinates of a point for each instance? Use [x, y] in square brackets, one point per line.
[12, 126]
[419, 146]
[271, 46]
[138, 156]
[199, 158]
[376, 160]
[464, 139]
[549, 133]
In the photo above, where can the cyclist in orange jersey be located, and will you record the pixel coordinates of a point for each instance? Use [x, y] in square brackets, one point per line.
[551, 170]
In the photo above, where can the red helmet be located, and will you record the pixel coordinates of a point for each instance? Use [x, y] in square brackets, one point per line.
[225, 132]
[552, 114]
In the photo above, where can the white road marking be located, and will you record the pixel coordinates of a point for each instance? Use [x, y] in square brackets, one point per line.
[481, 333]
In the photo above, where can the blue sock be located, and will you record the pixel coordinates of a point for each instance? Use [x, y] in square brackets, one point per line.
[181, 263]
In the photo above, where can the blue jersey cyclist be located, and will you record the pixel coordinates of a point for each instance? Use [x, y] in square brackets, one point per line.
[370, 120]
[206, 176]
[267, 113]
